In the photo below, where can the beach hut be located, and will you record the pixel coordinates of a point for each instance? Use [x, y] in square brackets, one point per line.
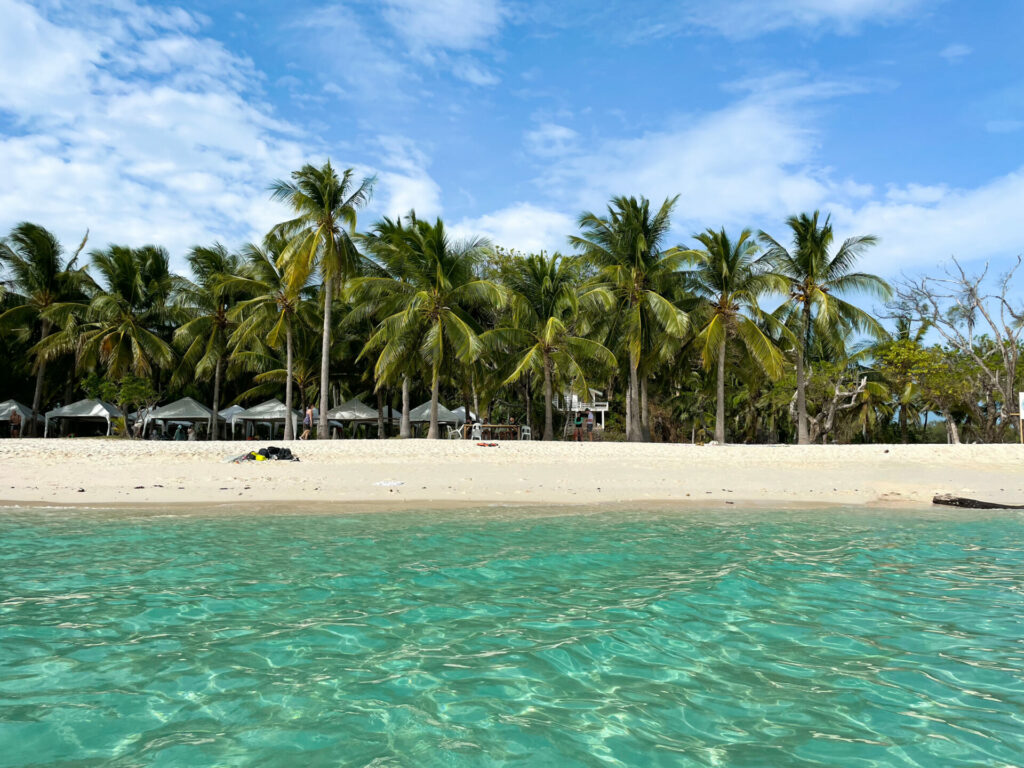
[183, 411]
[271, 412]
[13, 405]
[85, 412]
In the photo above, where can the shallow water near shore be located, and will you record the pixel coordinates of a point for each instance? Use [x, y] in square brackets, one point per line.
[557, 637]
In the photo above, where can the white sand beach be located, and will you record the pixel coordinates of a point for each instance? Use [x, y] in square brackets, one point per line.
[115, 472]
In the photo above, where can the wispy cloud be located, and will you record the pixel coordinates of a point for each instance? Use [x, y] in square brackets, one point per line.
[153, 146]
[955, 52]
[750, 18]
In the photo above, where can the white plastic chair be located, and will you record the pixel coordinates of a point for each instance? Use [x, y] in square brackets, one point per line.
[477, 433]
[454, 434]
[525, 433]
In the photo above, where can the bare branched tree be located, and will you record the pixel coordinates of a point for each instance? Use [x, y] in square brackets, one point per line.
[981, 324]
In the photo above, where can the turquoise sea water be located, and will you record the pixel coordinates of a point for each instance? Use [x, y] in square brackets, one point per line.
[699, 638]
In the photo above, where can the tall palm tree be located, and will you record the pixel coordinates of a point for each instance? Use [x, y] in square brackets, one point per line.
[729, 277]
[275, 305]
[319, 238]
[626, 247]
[205, 336]
[431, 283]
[816, 277]
[125, 326]
[541, 332]
[41, 278]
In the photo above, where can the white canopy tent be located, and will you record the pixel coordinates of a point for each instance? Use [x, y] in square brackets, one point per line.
[13, 405]
[84, 410]
[230, 411]
[183, 411]
[352, 410]
[421, 415]
[460, 414]
[271, 412]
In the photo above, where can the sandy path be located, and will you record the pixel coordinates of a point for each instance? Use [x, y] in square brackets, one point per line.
[104, 471]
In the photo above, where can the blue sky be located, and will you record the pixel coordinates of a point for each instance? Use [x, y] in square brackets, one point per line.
[164, 122]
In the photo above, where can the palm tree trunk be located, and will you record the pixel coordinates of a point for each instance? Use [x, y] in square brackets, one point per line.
[951, 430]
[720, 404]
[37, 395]
[802, 437]
[214, 420]
[435, 386]
[405, 428]
[325, 362]
[645, 411]
[549, 421]
[476, 399]
[633, 432]
[289, 428]
[380, 414]
[904, 431]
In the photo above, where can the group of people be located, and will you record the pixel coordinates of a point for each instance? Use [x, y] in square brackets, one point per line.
[584, 420]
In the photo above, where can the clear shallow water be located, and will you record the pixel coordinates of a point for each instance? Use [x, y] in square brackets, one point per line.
[485, 639]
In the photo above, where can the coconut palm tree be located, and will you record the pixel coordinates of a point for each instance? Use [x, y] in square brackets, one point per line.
[432, 281]
[542, 333]
[208, 302]
[729, 277]
[319, 238]
[40, 279]
[816, 277]
[126, 324]
[274, 306]
[626, 247]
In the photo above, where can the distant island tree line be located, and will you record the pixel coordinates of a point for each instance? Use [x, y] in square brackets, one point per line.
[741, 336]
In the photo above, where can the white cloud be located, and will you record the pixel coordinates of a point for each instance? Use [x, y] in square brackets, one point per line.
[473, 72]
[550, 140]
[524, 226]
[1004, 126]
[404, 184]
[456, 25]
[752, 164]
[955, 52]
[920, 227]
[750, 18]
[175, 156]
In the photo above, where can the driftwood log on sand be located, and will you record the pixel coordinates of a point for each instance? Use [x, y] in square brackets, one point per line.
[947, 500]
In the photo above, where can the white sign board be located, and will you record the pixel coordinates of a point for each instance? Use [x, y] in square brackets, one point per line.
[1020, 405]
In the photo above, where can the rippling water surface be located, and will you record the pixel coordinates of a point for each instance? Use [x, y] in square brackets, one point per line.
[831, 638]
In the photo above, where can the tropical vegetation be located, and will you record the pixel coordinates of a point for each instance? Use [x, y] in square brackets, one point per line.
[738, 336]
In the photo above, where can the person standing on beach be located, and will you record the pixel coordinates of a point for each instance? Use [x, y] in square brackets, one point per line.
[577, 433]
[15, 422]
[590, 425]
[307, 424]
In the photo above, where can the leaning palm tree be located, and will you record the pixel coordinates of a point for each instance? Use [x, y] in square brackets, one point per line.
[728, 277]
[124, 327]
[274, 307]
[423, 301]
[541, 331]
[625, 246]
[208, 302]
[40, 278]
[319, 238]
[815, 278]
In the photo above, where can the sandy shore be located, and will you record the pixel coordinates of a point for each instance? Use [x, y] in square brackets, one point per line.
[114, 472]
